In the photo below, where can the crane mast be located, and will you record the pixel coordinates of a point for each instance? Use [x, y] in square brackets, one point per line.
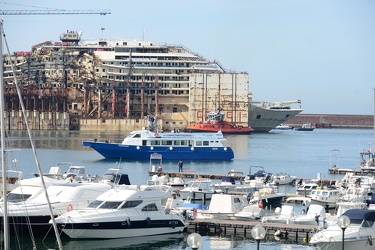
[53, 12]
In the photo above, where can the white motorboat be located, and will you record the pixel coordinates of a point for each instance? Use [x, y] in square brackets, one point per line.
[283, 179]
[300, 203]
[315, 215]
[306, 188]
[250, 212]
[326, 197]
[266, 197]
[283, 214]
[198, 189]
[120, 213]
[30, 188]
[342, 207]
[283, 127]
[359, 234]
[222, 206]
[232, 182]
[34, 212]
[259, 179]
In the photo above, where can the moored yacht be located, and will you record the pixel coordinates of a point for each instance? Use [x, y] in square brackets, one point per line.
[122, 212]
[199, 189]
[359, 234]
[34, 213]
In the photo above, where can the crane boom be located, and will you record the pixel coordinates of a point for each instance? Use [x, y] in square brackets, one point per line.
[53, 12]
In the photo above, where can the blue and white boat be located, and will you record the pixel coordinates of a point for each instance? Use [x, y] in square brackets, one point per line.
[172, 146]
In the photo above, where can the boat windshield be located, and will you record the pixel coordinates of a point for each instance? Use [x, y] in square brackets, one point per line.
[111, 205]
[95, 203]
[17, 197]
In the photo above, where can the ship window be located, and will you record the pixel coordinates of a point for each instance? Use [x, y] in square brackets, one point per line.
[198, 143]
[150, 207]
[111, 205]
[177, 142]
[206, 143]
[155, 142]
[130, 204]
[166, 142]
[258, 117]
[137, 136]
[184, 143]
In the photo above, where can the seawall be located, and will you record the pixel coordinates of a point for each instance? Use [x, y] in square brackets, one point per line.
[333, 121]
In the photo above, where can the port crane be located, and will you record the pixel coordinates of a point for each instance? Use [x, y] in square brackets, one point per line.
[53, 12]
[37, 12]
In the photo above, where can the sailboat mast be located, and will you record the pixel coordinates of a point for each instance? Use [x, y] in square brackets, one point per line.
[2, 139]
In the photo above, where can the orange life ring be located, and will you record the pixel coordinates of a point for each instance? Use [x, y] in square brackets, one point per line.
[260, 204]
[69, 208]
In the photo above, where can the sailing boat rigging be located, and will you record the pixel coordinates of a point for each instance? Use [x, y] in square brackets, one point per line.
[3, 149]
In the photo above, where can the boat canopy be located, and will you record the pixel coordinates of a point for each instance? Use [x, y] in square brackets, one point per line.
[358, 215]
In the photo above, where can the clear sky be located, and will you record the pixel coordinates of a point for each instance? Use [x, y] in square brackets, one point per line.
[319, 51]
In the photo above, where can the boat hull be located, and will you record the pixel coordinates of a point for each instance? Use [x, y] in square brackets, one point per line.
[121, 229]
[224, 127]
[20, 225]
[263, 119]
[118, 150]
[336, 244]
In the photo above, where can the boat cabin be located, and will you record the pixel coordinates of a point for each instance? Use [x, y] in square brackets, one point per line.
[148, 138]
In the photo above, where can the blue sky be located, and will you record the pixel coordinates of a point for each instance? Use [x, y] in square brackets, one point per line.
[319, 51]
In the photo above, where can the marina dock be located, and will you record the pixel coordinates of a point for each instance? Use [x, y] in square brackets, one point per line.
[233, 227]
[354, 171]
[190, 174]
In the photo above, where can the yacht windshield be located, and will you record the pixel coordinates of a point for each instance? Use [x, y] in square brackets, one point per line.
[95, 203]
[17, 197]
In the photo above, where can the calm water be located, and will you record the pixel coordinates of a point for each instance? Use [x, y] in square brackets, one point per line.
[304, 154]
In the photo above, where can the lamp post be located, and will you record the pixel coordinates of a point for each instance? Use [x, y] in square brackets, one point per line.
[344, 223]
[258, 232]
[194, 241]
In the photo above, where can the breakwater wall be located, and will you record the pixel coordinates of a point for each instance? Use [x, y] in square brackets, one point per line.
[333, 121]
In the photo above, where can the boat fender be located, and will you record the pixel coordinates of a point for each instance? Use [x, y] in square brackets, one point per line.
[260, 204]
[370, 240]
[148, 219]
[69, 208]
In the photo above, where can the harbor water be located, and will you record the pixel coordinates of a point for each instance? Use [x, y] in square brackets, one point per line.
[305, 154]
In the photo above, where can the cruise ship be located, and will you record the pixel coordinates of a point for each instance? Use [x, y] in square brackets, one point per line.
[122, 84]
